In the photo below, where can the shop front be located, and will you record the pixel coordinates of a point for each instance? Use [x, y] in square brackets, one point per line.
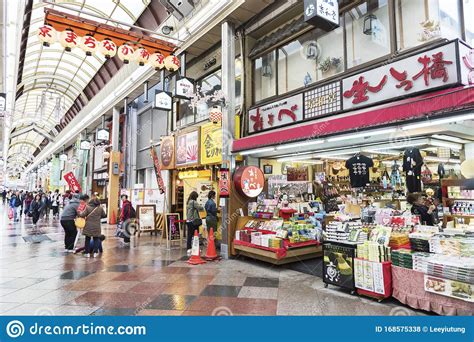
[369, 170]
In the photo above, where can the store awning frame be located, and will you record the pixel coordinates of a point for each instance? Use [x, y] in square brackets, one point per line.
[400, 112]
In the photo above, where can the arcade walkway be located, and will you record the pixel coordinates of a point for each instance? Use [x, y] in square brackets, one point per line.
[38, 278]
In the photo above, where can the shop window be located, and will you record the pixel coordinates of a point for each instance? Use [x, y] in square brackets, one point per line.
[420, 21]
[312, 57]
[264, 73]
[184, 113]
[468, 9]
[367, 32]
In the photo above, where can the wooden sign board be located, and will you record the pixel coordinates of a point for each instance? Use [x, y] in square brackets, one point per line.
[146, 217]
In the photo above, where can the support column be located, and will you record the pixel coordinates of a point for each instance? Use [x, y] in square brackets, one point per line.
[228, 122]
[114, 169]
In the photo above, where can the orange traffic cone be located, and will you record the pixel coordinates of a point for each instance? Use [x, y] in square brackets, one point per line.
[113, 219]
[211, 247]
[195, 258]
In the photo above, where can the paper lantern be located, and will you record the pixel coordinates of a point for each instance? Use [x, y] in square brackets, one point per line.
[125, 53]
[467, 168]
[157, 61]
[215, 114]
[47, 35]
[141, 55]
[68, 39]
[108, 48]
[89, 44]
[172, 63]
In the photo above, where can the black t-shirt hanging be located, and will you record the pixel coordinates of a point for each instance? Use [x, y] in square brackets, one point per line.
[359, 170]
[412, 161]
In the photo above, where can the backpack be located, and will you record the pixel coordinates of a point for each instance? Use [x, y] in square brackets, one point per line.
[133, 213]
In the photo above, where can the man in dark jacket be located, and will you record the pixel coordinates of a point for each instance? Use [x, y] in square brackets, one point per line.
[126, 214]
[15, 204]
[67, 222]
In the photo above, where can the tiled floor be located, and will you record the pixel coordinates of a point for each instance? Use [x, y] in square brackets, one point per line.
[146, 279]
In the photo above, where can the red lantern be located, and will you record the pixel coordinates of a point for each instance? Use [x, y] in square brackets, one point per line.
[172, 63]
[141, 55]
[68, 39]
[108, 48]
[47, 35]
[125, 53]
[157, 61]
[89, 44]
[215, 114]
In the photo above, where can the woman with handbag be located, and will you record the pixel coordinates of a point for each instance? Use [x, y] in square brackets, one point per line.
[92, 228]
[193, 219]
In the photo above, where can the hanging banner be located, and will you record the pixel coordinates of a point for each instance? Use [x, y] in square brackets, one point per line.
[211, 143]
[72, 182]
[156, 163]
[224, 183]
[187, 148]
[167, 153]
[55, 173]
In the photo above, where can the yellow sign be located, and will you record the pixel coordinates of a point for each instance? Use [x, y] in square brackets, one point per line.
[211, 143]
[194, 174]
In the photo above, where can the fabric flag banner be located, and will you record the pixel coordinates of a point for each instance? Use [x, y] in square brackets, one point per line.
[72, 182]
[159, 178]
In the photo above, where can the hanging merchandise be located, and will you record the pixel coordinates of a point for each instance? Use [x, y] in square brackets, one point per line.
[395, 178]
[441, 171]
[108, 48]
[412, 162]
[68, 39]
[358, 167]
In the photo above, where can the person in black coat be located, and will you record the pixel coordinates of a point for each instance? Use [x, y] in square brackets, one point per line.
[419, 208]
[35, 209]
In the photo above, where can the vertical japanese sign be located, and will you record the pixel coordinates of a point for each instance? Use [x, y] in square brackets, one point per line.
[211, 143]
[156, 163]
[72, 182]
[224, 183]
[427, 70]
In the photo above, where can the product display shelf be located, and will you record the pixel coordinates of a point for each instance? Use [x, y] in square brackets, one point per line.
[385, 290]
[290, 253]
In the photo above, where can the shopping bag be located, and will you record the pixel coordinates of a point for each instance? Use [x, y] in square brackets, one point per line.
[10, 213]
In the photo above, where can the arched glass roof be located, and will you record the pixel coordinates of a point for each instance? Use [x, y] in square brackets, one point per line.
[59, 74]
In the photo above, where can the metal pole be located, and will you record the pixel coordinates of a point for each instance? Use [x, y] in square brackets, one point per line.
[228, 122]
[182, 70]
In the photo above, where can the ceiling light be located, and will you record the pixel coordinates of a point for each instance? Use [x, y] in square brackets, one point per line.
[365, 134]
[395, 146]
[388, 153]
[300, 144]
[323, 156]
[166, 30]
[258, 150]
[450, 138]
[294, 158]
[438, 122]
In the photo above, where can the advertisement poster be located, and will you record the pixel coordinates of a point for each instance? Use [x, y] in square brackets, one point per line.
[146, 217]
[172, 226]
[338, 265]
[297, 174]
[137, 197]
[211, 143]
[249, 181]
[167, 153]
[153, 196]
[187, 148]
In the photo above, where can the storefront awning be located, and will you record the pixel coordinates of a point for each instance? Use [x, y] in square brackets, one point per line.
[427, 105]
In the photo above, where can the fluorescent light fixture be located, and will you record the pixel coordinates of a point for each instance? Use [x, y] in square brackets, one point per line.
[362, 134]
[450, 138]
[454, 161]
[338, 153]
[294, 158]
[323, 156]
[388, 153]
[257, 150]
[440, 143]
[395, 146]
[438, 122]
[300, 144]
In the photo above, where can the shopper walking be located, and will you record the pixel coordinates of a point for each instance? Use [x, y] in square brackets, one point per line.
[68, 216]
[28, 199]
[4, 195]
[93, 230]
[126, 215]
[44, 205]
[55, 199]
[22, 201]
[15, 204]
[211, 212]
[35, 209]
[193, 219]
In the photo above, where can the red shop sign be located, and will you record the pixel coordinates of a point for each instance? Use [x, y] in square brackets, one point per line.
[72, 182]
[249, 181]
[156, 163]
[224, 183]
